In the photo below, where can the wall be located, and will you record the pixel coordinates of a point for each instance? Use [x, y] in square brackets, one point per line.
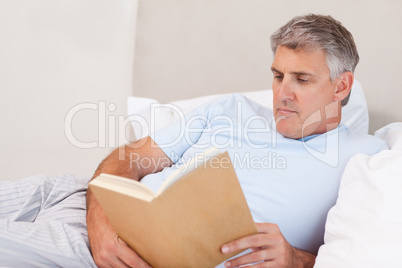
[62, 60]
[191, 48]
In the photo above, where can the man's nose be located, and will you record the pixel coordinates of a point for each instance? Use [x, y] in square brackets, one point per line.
[285, 91]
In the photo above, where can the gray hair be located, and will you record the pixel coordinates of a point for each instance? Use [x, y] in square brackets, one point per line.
[320, 32]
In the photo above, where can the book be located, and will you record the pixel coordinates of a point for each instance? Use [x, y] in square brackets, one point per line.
[199, 208]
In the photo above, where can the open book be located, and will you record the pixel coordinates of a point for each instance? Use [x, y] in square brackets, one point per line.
[198, 208]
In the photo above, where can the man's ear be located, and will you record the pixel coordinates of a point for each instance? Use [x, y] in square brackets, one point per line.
[343, 86]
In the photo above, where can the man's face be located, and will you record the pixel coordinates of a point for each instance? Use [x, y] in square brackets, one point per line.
[302, 90]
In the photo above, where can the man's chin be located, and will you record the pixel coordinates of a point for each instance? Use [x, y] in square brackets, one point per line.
[287, 131]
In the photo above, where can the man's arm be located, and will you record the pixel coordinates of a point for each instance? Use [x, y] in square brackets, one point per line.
[269, 249]
[107, 249]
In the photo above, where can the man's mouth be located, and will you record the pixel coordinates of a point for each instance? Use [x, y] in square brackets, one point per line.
[285, 111]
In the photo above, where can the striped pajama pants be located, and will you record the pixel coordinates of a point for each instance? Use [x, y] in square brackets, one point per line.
[42, 222]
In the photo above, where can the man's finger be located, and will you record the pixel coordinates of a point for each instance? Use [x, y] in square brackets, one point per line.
[129, 257]
[251, 241]
[267, 227]
[255, 257]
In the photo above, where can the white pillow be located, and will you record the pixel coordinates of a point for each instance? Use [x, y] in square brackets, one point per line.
[364, 228]
[149, 114]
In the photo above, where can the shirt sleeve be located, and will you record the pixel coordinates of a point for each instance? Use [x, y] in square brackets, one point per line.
[176, 138]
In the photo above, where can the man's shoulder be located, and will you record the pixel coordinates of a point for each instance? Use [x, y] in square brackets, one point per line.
[366, 143]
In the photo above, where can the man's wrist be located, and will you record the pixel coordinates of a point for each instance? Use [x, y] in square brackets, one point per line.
[303, 259]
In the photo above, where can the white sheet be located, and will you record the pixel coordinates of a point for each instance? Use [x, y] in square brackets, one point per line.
[364, 228]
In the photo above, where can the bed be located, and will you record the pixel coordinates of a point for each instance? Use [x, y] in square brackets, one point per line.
[362, 230]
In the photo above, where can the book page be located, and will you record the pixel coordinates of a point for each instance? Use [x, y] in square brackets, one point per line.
[188, 167]
[124, 185]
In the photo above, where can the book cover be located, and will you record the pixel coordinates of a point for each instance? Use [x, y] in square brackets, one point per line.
[187, 223]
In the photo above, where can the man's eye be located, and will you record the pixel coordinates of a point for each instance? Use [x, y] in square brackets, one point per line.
[278, 77]
[302, 80]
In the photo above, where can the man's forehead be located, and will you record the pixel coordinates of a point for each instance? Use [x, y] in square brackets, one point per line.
[299, 61]
[306, 48]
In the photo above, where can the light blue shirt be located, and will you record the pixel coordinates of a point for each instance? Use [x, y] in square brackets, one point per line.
[292, 183]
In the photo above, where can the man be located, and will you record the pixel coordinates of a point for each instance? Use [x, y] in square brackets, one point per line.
[315, 57]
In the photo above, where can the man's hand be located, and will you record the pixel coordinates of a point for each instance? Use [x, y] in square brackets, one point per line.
[108, 250]
[269, 249]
